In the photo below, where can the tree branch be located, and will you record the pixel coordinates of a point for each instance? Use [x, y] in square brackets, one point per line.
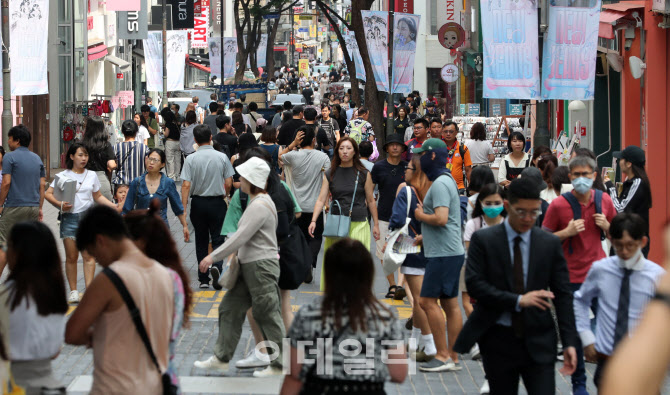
[323, 5]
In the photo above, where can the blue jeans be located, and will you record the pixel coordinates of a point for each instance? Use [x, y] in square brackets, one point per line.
[579, 377]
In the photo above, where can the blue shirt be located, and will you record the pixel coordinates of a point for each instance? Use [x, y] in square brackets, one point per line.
[139, 197]
[603, 281]
[506, 318]
[26, 169]
[447, 240]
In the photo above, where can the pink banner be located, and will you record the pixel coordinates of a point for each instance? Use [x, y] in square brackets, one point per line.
[123, 5]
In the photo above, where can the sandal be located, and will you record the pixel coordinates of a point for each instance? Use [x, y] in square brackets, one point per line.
[400, 293]
[391, 292]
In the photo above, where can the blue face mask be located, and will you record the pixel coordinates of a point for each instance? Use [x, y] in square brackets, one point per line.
[493, 211]
[582, 184]
[434, 167]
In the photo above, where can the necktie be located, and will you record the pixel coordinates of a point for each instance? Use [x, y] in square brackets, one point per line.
[621, 326]
[519, 286]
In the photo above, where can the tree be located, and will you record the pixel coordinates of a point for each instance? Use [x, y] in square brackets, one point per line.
[374, 100]
[252, 26]
[351, 65]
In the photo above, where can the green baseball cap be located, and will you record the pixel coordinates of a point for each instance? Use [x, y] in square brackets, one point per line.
[429, 145]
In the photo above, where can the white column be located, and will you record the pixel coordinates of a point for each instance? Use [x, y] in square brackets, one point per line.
[420, 71]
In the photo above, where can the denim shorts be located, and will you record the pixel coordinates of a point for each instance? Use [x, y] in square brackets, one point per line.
[68, 225]
[442, 277]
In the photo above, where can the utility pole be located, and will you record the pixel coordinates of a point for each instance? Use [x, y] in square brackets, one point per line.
[292, 39]
[223, 46]
[165, 97]
[389, 100]
[6, 77]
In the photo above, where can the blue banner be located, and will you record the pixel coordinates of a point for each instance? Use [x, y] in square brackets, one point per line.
[511, 59]
[570, 50]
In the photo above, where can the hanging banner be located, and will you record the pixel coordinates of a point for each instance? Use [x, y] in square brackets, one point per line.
[133, 25]
[201, 26]
[570, 51]
[124, 5]
[176, 60]
[404, 49]
[214, 44]
[182, 14]
[303, 67]
[375, 25]
[230, 57]
[261, 52]
[28, 29]
[354, 52]
[511, 60]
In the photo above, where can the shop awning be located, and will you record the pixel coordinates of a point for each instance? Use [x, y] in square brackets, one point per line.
[310, 43]
[120, 63]
[96, 51]
[198, 66]
[624, 6]
[608, 19]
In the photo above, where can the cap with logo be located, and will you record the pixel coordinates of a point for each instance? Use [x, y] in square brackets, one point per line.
[429, 145]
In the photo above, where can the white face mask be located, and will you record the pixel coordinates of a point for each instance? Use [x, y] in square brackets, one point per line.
[629, 263]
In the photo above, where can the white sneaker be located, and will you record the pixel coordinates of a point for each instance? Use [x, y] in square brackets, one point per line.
[485, 388]
[474, 353]
[253, 361]
[268, 372]
[74, 297]
[212, 363]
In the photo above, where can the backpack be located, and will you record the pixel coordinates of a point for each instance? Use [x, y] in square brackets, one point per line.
[577, 210]
[356, 132]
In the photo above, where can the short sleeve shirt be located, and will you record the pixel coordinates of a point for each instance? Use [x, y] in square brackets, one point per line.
[388, 177]
[307, 167]
[443, 241]
[207, 170]
[457, 164]
[130, 160]
[26, 169]
[87, 184]
[585, 247]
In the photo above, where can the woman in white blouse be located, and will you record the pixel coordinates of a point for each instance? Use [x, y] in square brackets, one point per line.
[513, 163]
[481, 151]
[35, 295]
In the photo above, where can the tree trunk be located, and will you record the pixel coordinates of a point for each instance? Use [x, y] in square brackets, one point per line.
[270, 53]
[373, 98]
[351, 65]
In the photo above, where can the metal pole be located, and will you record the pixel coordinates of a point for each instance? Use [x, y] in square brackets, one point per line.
[389, 101]
[165, 97]
[223, 53]
[292, 41]
[6, 77]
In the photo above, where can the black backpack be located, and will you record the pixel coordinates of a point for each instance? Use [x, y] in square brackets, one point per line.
[577, 210]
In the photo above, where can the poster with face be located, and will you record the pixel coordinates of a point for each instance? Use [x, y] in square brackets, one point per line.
[354, 52]
[177, 47]
[404, 50]
[214, 44]
[451, 35]
[375, 25]
[229, 56]
[28, 29]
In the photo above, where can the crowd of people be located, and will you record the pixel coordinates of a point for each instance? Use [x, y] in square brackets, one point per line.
[532, 251]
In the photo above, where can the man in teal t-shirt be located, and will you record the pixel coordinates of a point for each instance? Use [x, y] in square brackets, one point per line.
[440, 217]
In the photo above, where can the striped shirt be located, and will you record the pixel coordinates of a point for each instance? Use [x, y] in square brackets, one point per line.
[130, 159]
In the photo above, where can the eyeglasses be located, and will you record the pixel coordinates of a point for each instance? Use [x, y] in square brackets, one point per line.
[525, 213]
[409, 168]
[153, 160]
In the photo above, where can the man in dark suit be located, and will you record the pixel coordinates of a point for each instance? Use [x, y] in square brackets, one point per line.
[513, 271]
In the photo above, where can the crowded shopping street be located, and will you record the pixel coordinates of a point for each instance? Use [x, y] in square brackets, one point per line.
[334, 197]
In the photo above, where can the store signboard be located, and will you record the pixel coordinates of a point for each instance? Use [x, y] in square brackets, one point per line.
[201, 26]
[473, 109]
[496, 110]
[462, 109]
[133, 25]
[516, 109]
[182, 14]
[406, 6]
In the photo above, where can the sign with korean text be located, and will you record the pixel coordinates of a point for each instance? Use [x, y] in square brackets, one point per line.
[570, 51]
[201, 26]
[461, 109]
[405, 6]
[496, 110]
[511, 60]
[516, 109]
[473, 108]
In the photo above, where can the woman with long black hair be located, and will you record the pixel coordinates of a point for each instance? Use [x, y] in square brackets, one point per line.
[101, 154]
[635, 196]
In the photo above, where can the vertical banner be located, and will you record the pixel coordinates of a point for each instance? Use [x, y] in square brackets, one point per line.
[133, 25]
[261, 52]
[376, 27]
[570, 51]
[404, 6]
[201, 26]
[303, 67]
[404, 49]
[511, 59]
[177, 48]
[354, 52]
[182, 14]
[124, 5]
[214, 44]
[153, 59]
[230, 57]
[28, 29]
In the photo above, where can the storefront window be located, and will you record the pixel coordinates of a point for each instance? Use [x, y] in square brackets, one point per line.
[80, 79]
[64, 11]
[65, 37]
[65, 78]
[80, 8]
[80, 35]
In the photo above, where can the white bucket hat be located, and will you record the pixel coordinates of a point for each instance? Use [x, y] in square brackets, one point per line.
[255, 170]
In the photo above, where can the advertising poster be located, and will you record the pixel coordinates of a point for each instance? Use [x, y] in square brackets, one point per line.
[214, 44]
[354, 52]
[511, 59]
[404, 49]
[28, 29]
[153, 55]
[570, 50]
[176, 46]
[303, 67]
[375, 25]
[230, 57]
[261, 52]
